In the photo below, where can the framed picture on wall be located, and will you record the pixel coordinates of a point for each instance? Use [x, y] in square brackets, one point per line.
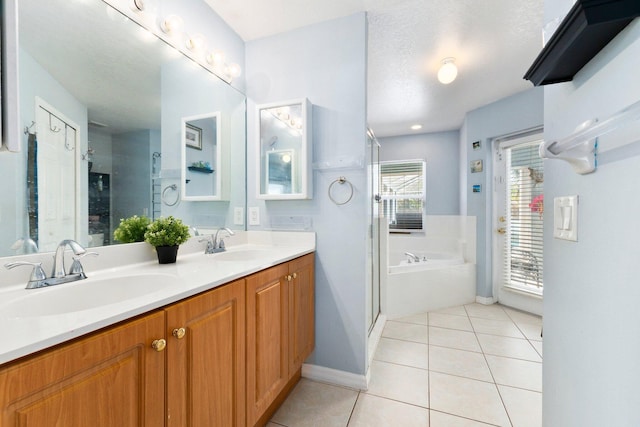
[476, 166]
[193, 136]
[476, 145]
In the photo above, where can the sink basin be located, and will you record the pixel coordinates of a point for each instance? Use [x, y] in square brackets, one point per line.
[241, 255]
[84, 295]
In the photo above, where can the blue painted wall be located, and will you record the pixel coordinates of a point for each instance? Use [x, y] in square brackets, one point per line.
[308, 62]
[441, 151]
[509, 115]
[591, 316]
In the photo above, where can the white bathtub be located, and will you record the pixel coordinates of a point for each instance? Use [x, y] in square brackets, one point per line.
[427, 262]
[443, 280]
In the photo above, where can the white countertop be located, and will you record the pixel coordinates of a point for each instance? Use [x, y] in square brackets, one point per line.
[194, 272]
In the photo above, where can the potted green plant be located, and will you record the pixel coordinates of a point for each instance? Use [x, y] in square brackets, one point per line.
[131, 229]
[166, 234]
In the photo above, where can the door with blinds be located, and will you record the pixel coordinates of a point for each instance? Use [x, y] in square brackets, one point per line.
[519, 208]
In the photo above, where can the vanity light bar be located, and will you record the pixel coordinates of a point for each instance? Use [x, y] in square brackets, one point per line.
[168, 29]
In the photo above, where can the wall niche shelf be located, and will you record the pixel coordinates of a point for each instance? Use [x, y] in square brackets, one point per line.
[588, 27]
[199, 169]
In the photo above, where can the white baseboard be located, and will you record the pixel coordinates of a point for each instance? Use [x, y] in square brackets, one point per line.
[374, 336]
[484, 300]
[334, 376]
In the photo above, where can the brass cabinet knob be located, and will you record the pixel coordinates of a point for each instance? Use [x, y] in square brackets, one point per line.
[295, 275]
[159, 345]
[288, 277]
[179, 333]
[501, 230]
[502, 219]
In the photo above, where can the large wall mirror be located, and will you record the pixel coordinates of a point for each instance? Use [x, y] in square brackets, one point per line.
[101, 108]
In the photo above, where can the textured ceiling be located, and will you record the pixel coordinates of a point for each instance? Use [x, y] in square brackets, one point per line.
[493, 41]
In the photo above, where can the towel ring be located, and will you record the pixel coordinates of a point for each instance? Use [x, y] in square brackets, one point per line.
[342, 180]
[172, 187]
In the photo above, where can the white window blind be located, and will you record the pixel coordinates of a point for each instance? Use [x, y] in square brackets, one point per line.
[403, 194]
[525, 200]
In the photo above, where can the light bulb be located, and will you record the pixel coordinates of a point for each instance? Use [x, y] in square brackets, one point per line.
[171, 23]
[286, 158]
[196, 42]
[216, 58]
[234, 70]
[448, 72]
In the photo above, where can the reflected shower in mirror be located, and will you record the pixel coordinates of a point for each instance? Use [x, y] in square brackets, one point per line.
[125, 92]
[280, 175]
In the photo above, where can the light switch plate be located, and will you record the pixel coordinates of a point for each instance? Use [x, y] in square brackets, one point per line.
[238, 215]
[565, 218]
[254, 215]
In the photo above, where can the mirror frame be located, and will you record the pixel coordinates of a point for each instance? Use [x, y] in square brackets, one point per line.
[304, 154]
[217, 166]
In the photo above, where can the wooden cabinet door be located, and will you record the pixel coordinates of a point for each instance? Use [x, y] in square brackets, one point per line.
[301, 311]
[267, 339]
[111, 378]
[206, 364]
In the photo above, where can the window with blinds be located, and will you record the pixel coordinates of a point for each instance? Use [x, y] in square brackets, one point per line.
[525, 201]
[403, 194]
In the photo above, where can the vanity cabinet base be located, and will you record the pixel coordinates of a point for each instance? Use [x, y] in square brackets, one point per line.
[227, 357]
[111, 378]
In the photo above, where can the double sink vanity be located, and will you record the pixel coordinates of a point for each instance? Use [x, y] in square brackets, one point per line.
[212, 340]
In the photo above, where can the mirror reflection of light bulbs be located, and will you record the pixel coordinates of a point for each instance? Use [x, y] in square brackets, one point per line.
[448, 71]
[286, 158]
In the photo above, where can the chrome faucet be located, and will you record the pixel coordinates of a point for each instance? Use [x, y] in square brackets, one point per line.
[215, 243]
[218, 243]
[59, 275]
[412, 257]
[58, 258]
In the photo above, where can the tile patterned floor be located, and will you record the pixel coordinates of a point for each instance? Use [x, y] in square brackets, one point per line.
[466, 366]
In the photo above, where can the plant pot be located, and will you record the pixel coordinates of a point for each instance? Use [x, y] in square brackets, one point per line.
[167, 254]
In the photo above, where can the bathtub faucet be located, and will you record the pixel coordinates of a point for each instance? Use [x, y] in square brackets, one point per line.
[412, 257]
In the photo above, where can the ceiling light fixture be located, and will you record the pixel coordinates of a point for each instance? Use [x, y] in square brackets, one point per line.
[416, 127]
[448, 71]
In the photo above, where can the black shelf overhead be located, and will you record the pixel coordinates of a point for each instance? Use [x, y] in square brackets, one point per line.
[588, 27]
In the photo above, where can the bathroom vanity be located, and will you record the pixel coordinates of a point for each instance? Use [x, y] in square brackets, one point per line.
[225, 356]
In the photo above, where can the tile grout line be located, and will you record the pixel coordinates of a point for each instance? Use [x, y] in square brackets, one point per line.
[428, 373]
[353, 409]
[504, 406]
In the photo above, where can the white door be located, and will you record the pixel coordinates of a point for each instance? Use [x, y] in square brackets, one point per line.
[518, 222]
[58, 146]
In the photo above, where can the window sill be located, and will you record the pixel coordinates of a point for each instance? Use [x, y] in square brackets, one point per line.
[524, 291]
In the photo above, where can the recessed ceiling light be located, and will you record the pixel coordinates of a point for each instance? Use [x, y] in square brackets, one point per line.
[416, 127]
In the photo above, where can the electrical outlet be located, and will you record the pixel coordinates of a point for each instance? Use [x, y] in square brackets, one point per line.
[238, 216]
[254, 215]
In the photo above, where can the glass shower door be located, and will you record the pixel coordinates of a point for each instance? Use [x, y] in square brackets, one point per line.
[373, 180]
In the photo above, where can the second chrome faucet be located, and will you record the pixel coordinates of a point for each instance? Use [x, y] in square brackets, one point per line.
[215, 242]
